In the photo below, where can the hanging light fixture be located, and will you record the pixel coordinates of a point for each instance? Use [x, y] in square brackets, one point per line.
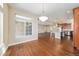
[43, 18]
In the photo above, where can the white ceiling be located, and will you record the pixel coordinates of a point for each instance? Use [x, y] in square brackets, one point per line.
[54, 11]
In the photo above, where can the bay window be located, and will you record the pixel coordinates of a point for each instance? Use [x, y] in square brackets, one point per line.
[23, 26]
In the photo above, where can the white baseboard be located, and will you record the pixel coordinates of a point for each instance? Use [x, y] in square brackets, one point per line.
[4, 50]
[20, 42]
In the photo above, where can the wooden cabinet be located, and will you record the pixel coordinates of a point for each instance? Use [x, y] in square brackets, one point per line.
[76, 27]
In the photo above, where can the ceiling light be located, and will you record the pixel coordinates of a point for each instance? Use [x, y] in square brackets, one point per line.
[43, 18]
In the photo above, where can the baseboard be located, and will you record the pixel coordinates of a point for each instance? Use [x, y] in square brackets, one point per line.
[4, 50]
[20, 42]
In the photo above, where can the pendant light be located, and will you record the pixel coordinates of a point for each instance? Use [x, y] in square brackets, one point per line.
[43, 18]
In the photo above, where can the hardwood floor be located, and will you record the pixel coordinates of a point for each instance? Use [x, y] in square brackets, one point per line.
[43, 47]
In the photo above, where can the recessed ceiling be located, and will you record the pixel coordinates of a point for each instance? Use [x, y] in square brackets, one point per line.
[54, 11]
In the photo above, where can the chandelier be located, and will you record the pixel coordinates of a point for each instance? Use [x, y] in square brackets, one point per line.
[43, 18]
